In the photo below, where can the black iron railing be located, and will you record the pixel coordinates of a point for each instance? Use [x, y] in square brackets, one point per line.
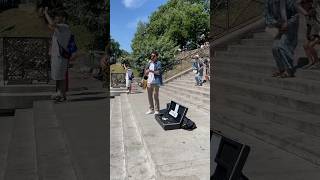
[118, 80]
[26, 60]
[231, 15]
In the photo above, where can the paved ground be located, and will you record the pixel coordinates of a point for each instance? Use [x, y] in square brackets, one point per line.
[85, 124]
[175, 153]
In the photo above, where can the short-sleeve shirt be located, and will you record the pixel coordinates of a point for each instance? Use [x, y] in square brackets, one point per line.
[151, 75]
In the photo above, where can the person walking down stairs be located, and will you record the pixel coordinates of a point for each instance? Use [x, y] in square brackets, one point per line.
[197, 66]
[282, 16]
[153, 71]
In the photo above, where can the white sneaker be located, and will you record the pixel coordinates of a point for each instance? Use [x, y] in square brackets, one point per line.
[150, 112]
[156, 112]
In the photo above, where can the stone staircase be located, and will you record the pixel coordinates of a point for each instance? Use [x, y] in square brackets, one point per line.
[141, 149]
[35, 143]
[282, 112]
[34, 146]
[183, 90]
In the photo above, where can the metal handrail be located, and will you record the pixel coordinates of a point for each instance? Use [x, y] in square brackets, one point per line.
[231, 15]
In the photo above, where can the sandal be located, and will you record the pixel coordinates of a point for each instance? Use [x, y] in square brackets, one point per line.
[287, 75]
[277, 74]
[61, 99]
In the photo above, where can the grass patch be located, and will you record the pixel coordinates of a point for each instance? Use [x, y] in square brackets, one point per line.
[23, 22]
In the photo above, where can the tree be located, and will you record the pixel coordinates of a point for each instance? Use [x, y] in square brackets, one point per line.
[171, 26]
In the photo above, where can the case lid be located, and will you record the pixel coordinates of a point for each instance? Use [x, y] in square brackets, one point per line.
[176, 111]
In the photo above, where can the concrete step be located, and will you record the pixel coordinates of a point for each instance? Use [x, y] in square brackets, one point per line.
[300, 144]
[264, 68]
[259, 50]
[53, 153]
[255, 42]
[191, 84]
[6, 132]
[21, 100]
[117, 152]
[267, 161]
[266, 36]
[289, 99]
[298, 120]
[138, 163]
[27, 88]
[22, 161]
[195, 103]
[300, 85]
[191, 89]
[176, 154]
[187, 95]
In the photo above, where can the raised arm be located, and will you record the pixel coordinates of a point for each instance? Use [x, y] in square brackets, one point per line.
[51, 25]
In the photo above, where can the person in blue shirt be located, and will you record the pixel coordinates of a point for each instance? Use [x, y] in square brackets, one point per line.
[154, 72]
[283, 15]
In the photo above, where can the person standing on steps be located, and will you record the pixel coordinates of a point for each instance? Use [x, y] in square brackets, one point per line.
[59, 51]
[282, 15]
[197, 68]
[153, 71]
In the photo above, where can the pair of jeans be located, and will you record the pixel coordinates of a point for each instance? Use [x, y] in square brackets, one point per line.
[284, 47]
[198, 79]
[153, 97]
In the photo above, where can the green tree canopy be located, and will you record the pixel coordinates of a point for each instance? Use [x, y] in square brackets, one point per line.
[171, 26]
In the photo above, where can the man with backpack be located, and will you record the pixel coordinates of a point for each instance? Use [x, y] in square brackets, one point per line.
[153, 71]
[60, 53]
[197, 68]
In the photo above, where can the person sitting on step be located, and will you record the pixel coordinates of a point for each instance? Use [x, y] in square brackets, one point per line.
[282, 15]
[311, 10]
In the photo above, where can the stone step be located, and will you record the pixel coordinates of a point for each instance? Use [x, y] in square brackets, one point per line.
[22, 161]
[195, 103]
[266, 36]
[192, 90]
[138, 163]
[253, 53]
[298, 120]
[187, 95]
[257, 42]
[6, 132]
[191, 84]
[21, 100]
[300, 85]
[53, 153]
[27, 88]
[258, 50]
[266, 161]
[289, 99]
[176, 154]
[300, 144]
[117, 153]
[265, 68]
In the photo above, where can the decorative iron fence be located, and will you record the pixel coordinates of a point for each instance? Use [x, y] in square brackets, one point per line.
[118, 80]
[231, 15]
[26, 60]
